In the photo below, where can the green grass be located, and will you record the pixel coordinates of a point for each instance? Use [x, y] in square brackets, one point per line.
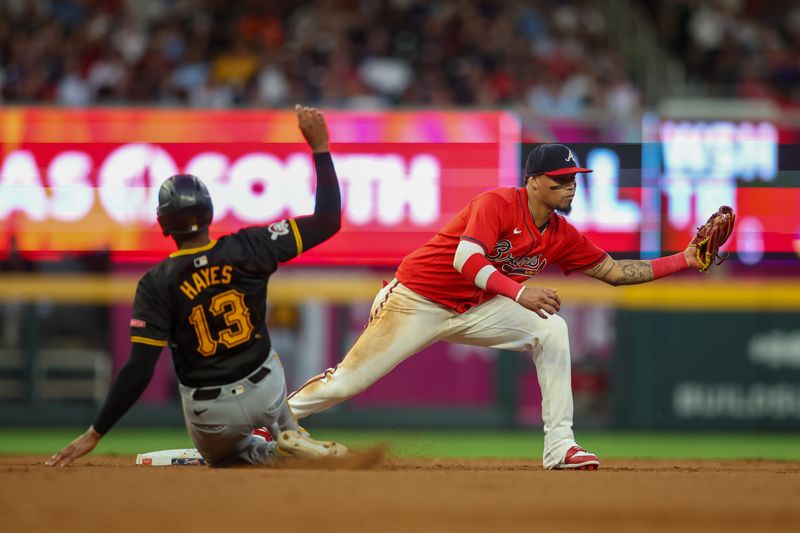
[447, 444]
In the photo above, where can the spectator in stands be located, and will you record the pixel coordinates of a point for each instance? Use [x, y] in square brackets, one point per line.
[743, 48]
[346, 53]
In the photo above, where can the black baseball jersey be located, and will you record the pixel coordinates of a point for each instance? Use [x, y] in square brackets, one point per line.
[209, 303]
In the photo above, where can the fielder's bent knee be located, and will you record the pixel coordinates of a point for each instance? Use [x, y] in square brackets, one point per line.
[556, 325]
[550, 333]
[553, 325]
[334, 384]
[342, 388]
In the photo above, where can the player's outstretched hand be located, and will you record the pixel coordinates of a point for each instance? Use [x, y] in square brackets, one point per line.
[690, 253]
[540, 300]
[77, 448]
[312, 123]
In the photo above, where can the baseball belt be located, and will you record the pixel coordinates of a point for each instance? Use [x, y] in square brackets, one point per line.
[213, 393]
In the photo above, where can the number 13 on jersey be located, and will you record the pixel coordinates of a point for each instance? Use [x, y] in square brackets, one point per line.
[230, 304]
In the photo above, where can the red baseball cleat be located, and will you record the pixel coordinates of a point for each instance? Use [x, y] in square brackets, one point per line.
[263, 433]
[578, 459]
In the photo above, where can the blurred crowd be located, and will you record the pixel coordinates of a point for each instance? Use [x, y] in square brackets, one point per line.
[549, 55]
[743, 48]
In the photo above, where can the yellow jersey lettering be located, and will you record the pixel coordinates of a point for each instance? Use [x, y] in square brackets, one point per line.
[198, 282]
[214, 275]
[188, 290]
[205, 278]
[206, 275]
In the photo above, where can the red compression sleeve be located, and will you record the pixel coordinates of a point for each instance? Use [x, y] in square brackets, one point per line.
[503, 285]
[664, 266]
[473, 270]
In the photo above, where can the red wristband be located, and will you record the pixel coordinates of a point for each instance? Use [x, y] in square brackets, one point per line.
[664, 266]
[500, 284]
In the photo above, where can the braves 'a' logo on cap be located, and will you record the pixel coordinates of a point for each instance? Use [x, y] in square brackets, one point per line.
[569, 155]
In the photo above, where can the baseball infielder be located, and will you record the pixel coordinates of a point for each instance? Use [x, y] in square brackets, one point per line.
[208, 302]
[464, 286]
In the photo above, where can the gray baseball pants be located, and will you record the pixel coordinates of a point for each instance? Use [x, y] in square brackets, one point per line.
[220, 419]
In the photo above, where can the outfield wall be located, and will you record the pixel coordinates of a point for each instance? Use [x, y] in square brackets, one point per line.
[693, 351]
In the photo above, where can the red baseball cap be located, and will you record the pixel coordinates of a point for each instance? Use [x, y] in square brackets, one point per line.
[552, 160]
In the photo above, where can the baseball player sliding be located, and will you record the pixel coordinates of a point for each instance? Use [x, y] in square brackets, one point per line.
[208, 302]
[464, 286]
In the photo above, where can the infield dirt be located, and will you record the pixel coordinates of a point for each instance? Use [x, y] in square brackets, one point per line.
[377, 493]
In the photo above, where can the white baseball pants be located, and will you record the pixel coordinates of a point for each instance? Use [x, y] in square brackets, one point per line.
[403, 322]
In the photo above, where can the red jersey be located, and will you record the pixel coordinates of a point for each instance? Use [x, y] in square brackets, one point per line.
[500, 222]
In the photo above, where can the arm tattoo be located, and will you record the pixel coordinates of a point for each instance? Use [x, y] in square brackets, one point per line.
[634, 272]
[601, 270]
[623, 272]
[607, 270]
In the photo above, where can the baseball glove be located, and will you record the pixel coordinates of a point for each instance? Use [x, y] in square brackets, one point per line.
[713, 234]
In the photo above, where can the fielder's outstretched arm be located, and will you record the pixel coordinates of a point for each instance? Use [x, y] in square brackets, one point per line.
[634, 271]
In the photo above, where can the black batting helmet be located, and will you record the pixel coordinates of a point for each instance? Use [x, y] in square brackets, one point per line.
[184, 205]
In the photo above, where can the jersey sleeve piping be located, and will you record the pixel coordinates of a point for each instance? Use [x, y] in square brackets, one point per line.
[476, 241]
[148, 341]
[298, 239]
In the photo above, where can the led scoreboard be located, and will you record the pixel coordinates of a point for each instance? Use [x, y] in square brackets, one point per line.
[80, 180]
[751, 165]
[87, 179]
